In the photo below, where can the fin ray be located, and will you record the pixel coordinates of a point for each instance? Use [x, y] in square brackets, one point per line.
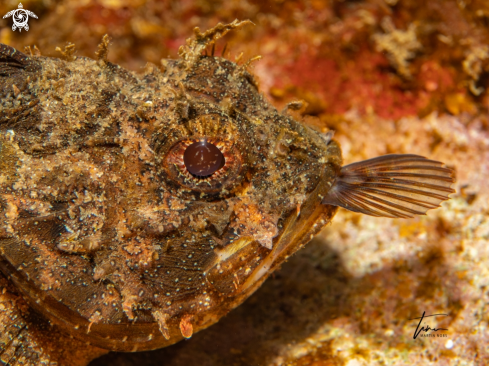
[396, 185]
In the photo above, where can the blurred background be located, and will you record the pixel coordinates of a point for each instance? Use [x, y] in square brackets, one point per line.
[388, 76]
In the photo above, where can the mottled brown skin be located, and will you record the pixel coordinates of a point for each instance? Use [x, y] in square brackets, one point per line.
[103, 234]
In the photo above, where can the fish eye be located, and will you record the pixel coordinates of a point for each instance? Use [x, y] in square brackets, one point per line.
[205, 167]
[203, 158]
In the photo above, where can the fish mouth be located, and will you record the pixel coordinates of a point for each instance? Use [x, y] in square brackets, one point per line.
[298, 229]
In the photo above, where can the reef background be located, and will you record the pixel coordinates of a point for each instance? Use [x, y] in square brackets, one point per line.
[389, 76]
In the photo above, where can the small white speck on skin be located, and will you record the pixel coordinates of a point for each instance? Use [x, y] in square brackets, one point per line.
[10, 135]
[449, 344]
[389, 332]
[354, 362]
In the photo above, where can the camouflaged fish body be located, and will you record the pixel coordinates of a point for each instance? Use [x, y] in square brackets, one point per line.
[107, 233]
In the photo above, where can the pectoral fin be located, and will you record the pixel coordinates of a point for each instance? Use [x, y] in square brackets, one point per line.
[397, 186]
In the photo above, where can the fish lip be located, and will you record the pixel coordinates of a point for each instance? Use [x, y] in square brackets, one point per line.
[298, 229]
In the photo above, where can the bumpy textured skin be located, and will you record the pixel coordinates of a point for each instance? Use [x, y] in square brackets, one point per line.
[104, 240]
[27, 338]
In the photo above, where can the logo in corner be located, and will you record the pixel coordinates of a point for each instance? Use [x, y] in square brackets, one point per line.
[20, 17]
[428, 328]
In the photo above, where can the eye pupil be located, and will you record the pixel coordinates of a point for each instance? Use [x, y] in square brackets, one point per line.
[203, 158]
